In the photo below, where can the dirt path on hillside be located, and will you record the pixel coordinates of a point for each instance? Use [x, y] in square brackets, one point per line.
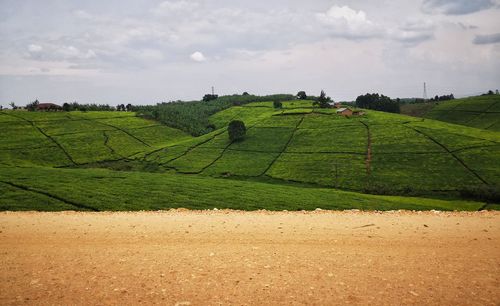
[241, 258]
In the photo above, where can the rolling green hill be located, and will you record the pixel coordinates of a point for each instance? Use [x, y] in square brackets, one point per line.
[481, 112]
[310, 154]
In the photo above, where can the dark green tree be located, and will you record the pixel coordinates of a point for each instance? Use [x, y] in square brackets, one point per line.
[377, 102]
[209, 97]
[129, 107]
[301, 95]
[66, 107]
[277, 104]
[322, 101]
[236, 130]
[32, 106]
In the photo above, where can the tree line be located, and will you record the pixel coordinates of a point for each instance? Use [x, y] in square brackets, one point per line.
[193, 116]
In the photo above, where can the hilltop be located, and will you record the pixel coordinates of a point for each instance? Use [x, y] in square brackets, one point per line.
[297, 157]
[481, 112]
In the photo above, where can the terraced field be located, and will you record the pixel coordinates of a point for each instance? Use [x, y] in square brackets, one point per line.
[378, 150]
[307, 153]
[481, 112]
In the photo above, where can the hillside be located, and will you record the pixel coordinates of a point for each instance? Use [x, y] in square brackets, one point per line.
[299, 151]
[481, 112]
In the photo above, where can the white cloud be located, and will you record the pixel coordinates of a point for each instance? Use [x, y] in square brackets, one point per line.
[35, 48]
[174, 7]
[82, 14]
[198, 57]
[346, 22]
[455, 7]
[413, 31]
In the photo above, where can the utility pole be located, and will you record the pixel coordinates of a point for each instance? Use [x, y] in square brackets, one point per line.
[425, 91]
[213, 91]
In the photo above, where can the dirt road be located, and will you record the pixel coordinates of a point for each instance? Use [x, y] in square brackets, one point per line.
[240, 258]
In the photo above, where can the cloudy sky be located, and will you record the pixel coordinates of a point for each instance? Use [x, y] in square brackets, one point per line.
[144, 51]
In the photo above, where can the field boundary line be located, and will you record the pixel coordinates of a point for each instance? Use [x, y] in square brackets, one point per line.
[191, 148]
[49, 137]
[106, 144]
[119, 129]
[223, 151]
[25, 188]
[368, 148]
[28, 148]
[452, 154]
[474, 147]
[491, 125]
[285, 147]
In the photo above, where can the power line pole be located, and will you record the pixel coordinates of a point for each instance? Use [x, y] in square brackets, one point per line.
[425, 91]
[213, 91]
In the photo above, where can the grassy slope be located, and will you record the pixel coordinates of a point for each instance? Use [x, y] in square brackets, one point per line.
[481, 112]
[296, 144]
[100, 189]
[324, 149]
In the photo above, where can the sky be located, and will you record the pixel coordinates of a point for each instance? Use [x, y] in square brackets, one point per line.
[144, 51]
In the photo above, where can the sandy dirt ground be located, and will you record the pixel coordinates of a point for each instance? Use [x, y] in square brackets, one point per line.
[241, 258]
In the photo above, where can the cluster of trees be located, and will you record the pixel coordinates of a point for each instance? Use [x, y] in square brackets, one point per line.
[75, 106]
[322, 101]
[490, 93]
[443, 98]
[209, 97]
[378, 102]
[32, 106]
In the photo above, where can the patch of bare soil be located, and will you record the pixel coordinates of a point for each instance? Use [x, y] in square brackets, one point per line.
[228, 257]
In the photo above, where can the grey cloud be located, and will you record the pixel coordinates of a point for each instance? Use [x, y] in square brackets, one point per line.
[455, 7]
[487, 39]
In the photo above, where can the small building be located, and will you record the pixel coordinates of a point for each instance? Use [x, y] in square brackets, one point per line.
[48, 107]
[335, 104]
[344, 111]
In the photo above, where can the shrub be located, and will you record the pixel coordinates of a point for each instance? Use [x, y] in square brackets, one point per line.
[277, 104]
[489, 194]
[378, 102]
[236, 130]
[322, 101]
[301, 95]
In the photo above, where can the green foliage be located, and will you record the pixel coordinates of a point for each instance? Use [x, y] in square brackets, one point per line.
[301, 95]
[322, 101]
[489, 194]
[194, 117]
[277, 104]
[106, 190]
[209, 97]
[298, 145]
[75, 106]
[236, 130]
[480, 112]
[32, 106]
[377, 102]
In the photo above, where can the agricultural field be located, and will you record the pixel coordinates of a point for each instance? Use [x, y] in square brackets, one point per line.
[482, 112]
[309, 157]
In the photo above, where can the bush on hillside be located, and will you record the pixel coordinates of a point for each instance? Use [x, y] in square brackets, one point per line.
[322, 101]
[193, 117]
[277, 104]
[236, 130]
[301, 95]
[378, 102]
[488, 194]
